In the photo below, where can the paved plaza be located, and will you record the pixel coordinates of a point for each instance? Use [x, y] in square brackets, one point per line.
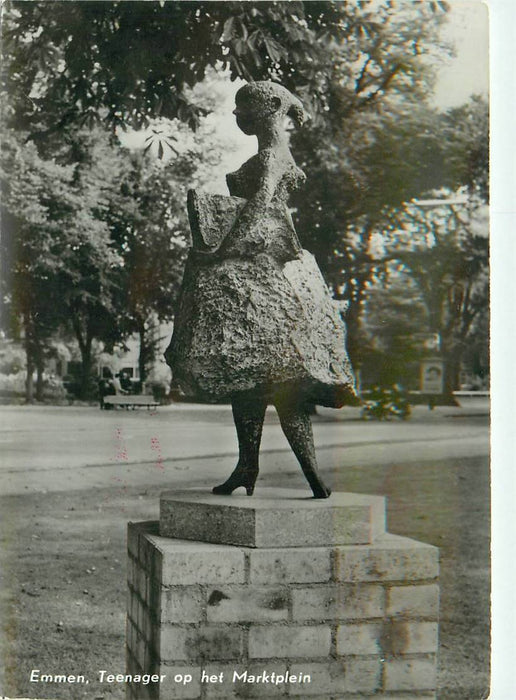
[47, 448]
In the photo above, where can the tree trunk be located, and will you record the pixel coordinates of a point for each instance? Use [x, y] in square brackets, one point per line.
[352, 320]
[85, 340]
[143, 354]
[356, 288]
[86, 363]
[29, 381]
[39, 379]
[29, 354]
[149, 343]
[39, 362]
[451, 379]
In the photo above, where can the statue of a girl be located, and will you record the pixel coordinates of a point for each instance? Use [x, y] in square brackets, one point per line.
[256, 324]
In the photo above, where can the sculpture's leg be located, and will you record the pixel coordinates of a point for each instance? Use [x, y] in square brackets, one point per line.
[297, 426]
[248, 414]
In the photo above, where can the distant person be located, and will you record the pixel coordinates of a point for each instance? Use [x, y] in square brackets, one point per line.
[118, 385]
[107, 387]
[125, 381]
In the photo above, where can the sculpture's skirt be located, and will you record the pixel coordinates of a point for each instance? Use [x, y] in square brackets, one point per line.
[257, 325]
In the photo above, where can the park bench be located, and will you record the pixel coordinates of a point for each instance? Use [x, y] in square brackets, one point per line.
[472, 399]
[131, 400]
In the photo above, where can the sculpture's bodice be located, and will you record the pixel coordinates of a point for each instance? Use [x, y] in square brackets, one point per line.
[266, 229]
[245, 181]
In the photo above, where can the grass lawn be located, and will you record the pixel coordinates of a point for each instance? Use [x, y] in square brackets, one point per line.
[63, 588]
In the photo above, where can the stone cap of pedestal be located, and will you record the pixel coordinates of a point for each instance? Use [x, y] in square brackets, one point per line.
[274, 518]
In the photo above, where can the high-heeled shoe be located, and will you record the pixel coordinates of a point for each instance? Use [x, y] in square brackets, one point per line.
[321, 491]
[240, 477]
[319, 488]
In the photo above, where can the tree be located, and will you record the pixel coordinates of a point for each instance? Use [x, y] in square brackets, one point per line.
[359, 177]
[29, 186]
[363, 166]
[447, 249]
[58, 257]
[447, 256]
[467, 135]
[393, 331]
[149, 228]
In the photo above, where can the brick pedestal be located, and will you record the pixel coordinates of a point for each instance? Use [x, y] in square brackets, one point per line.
[353, 614]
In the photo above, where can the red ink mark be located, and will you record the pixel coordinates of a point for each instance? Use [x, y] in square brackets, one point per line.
[157, 448]
[121, 455]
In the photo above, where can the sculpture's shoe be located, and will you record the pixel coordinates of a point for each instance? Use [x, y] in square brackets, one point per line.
[240, 477]
[321, 491]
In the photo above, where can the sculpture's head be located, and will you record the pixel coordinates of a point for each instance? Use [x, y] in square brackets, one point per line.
[263, 103]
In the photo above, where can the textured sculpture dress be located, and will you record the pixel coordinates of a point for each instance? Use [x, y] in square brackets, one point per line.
[256, 324]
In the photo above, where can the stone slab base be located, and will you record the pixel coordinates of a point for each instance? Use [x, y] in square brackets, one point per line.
[222, 621]
[300, 520]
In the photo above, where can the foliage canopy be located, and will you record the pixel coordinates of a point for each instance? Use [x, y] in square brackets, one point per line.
[126, 62]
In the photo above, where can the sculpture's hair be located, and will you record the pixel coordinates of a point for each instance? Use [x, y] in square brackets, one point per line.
[297, 113]
[267, 90]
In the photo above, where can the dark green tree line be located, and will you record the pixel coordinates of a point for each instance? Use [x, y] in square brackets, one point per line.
[57, 254]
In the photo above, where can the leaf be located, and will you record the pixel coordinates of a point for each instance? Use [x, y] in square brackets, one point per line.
[274, 49]
[229, 30]
[243, 30]
[172, 148]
